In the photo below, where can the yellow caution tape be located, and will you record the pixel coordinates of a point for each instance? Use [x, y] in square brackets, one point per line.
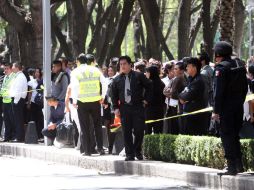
[41, 88]
[248, 98]
[182, 115]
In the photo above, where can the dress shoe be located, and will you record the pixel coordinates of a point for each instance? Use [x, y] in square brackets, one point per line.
[101, 152]
[129, 158]
[230, 170]
[5, 140]
[239, 165]
[94, 151]
[139, 156]
[86, 154]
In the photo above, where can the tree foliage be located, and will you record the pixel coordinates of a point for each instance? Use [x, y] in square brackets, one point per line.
[162, 29]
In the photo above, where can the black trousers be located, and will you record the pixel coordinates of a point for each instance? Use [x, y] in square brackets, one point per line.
[195, 124]
[37, 116]
[10, 130]
[111, 136]
[230, 124]
[173, 124]
[49, 133]
[19, 119]
[153, 113]
[133, 123]
[85, 110]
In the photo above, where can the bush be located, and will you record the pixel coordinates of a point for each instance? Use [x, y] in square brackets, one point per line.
[198, 150]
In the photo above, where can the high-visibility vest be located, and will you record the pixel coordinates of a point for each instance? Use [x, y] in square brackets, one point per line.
[89, 85]
[6, 87]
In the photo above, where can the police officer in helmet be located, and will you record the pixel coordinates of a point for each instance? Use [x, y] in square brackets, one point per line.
[230, 89]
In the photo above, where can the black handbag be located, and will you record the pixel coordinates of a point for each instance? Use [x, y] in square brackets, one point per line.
[65, 131]
[38, 99]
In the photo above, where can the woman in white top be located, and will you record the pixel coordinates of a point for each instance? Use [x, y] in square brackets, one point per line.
[35, 109]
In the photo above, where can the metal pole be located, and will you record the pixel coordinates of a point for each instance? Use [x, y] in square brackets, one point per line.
[46, 59]
[250, 33]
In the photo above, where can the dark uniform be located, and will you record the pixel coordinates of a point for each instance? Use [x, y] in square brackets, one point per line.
[230, 89]
[132, 113]
[194, 95]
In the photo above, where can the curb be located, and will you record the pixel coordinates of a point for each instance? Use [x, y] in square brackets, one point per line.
[193, 175]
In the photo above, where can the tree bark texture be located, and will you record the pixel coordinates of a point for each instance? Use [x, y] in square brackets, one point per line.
[184, 22]
[151, 15]
[240, 17]
[227, 21]
[122, 25]
[76, 20]
[207, 33]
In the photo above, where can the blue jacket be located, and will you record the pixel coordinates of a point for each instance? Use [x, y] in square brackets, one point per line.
[57, 115]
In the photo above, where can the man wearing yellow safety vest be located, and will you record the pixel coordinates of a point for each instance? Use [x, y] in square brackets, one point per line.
[10, 131]
[86, 82]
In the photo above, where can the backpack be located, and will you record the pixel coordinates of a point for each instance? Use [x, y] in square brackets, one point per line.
[38, 99]
[238, 84]
[60, 76]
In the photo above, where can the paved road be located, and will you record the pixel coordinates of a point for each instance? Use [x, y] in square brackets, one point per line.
[28, 174]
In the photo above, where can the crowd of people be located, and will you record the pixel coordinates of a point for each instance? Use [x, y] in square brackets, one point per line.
[134, 92]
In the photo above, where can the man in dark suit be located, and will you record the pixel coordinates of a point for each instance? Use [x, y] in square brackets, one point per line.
[128, 100]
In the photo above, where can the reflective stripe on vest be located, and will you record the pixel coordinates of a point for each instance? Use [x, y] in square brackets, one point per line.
[5, 88]
[89, 85]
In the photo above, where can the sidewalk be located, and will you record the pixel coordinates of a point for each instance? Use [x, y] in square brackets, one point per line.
[193, 175]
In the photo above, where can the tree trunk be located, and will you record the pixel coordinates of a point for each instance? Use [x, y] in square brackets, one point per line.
[170, 26]
[60, 36]
[14, 16]
[215, 19]
[151, 15]
[76, 20]
[89, 7]
[97, 30]
[37, 41]
[136, 27]
[109, 31]
[115, 49]
[194, 32]
[184, 23]
[206, 19]
[240, 17]
[11, 42]
[227, 21]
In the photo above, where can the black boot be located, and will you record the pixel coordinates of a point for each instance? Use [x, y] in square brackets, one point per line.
[231, 169]
[239, 165]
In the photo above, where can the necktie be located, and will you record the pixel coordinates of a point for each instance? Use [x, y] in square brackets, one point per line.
[127, 94]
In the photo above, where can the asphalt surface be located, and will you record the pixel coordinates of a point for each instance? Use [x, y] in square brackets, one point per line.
[25, 174]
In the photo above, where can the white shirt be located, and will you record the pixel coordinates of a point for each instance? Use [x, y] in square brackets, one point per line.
[75, 83]
[167, 81]
[33, 84]
[18, 87]
[246, 109]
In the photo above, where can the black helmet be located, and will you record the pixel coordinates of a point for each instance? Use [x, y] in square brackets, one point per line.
[82, 58]
[223, 49]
